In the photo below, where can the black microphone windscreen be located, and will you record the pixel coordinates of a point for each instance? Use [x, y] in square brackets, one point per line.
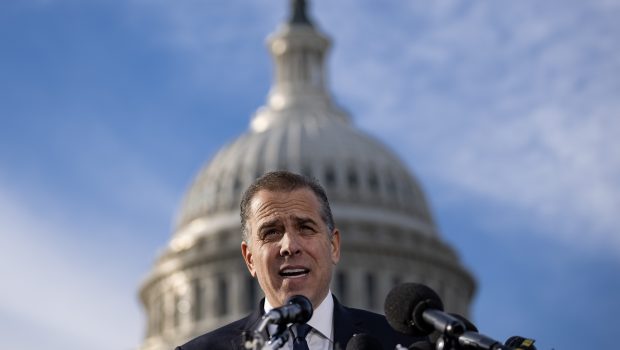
[363, 341]
[405, 304]
[306, 308]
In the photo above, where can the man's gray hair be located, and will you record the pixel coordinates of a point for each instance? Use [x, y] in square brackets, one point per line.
[284, 181]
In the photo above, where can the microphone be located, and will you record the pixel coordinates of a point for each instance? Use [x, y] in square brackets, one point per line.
[468, 325]
[409, 305]
[363, 341]
[298, 309]
[415, 309]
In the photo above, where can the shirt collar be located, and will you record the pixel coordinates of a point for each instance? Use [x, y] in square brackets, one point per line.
[322, 316]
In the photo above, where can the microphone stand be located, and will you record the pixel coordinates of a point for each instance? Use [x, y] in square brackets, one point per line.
[257, 341]
[468, 340]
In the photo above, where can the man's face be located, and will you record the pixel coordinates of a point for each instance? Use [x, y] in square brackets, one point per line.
[289, 248]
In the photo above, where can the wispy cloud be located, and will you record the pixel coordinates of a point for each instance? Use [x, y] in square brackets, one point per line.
[210, 34]
[56, 284]
[69, 262]
[516, 102]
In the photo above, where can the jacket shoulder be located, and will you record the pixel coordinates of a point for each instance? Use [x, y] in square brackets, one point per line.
[224, 338]
[377, 326]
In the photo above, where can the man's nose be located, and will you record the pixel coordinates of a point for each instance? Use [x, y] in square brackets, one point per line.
[289, 244]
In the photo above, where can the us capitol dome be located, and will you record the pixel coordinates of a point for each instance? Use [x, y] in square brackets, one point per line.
[388, 236]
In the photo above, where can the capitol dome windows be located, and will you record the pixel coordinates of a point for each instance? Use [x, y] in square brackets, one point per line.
[390, 186]
[352, 179]
[155, 325]
[370, 284]
[221, 302]
[252, 293]
[160, 313]
[237, 186]
[306, 170]
[373, 181]
[259, 170]
[396, 280]
[198, 304]
[330, 177]
[341, 286]
[176, 315]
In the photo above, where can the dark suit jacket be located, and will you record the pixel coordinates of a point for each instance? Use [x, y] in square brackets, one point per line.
[347, 322]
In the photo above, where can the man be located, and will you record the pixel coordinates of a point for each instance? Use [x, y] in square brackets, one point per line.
[291, 245]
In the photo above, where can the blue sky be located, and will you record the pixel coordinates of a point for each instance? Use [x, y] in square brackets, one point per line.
[507, 112]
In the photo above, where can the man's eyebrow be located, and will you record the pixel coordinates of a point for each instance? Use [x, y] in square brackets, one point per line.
[305, 220]
[268, 224]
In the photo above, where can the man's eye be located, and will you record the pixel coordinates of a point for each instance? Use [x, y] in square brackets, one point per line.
[270, 234]
[307, 228]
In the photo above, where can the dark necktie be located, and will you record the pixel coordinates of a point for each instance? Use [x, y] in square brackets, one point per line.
[299, 343]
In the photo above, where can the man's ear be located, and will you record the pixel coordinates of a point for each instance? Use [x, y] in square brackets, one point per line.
[335, 243]
[248, 257]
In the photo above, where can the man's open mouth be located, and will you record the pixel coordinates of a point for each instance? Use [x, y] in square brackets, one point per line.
[294, 272]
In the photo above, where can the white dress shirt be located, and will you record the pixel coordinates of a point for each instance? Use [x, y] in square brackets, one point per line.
[321, 337]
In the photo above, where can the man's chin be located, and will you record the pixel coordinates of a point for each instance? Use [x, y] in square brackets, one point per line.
[295, 285]
[293, 292]
[312, 295]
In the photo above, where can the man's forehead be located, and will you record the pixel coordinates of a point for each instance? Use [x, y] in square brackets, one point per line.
[268, 203]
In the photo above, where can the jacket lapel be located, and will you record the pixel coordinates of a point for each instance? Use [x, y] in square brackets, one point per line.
[344, 326]
[251, 321]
